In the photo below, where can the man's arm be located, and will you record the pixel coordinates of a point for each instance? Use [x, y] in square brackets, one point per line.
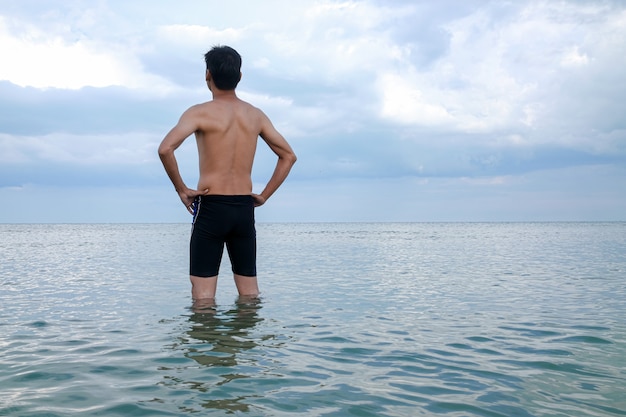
[286, 159]
[183, 129]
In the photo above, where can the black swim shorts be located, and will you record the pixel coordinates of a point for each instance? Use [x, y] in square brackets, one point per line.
[219, 220]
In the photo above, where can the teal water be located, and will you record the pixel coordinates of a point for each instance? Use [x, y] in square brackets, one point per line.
[519, 319]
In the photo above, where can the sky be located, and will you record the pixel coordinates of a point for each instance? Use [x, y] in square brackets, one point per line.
[398, 110]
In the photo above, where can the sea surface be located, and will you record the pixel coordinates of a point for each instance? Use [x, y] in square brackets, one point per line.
[355, 319]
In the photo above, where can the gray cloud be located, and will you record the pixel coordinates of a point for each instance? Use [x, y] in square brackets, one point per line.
[31, 111]
[393, 91]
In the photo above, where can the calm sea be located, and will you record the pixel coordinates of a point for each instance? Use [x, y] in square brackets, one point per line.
[493, 319]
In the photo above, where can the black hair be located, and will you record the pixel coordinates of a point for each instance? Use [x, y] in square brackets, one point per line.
[224, 64]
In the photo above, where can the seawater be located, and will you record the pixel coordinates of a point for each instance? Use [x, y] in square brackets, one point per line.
[493, 319]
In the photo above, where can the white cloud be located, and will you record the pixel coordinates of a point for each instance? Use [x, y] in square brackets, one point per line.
[293, 120]
[131, 148]
[49, 60]
[197, 36]
[521, 69]
[328, 41]
[403, 102]
[574, 58]
[450, 94]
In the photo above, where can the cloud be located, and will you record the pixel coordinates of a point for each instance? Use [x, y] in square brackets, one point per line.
[401, 93]
[404, 102]
[89, 110]
[504, 72]
[196, 37]
[544, 195]
[126, 149]
[47, 60]
[72, 160]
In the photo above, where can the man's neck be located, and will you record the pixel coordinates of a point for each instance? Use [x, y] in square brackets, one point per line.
[223, 94]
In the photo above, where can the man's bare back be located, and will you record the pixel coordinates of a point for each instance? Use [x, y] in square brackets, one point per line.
[227, 140]
[226, 130]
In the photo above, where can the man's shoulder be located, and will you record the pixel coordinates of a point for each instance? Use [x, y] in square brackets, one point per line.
[195, 108]
[250, 110]
[218, 108]
[204, 110]
[206, 104]
[247, 104]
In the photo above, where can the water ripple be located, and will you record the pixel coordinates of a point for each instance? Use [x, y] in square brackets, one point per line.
[355, 320]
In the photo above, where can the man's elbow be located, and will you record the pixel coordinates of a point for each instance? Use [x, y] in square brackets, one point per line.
[291, 158]
[164, 151]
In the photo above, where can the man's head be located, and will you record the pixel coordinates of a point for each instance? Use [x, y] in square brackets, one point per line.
[224, 64]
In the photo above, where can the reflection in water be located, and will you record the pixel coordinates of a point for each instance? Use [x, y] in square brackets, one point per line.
[220, 341]
[225, 332]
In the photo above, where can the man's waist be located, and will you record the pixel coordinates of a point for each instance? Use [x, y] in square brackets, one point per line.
[226, 198]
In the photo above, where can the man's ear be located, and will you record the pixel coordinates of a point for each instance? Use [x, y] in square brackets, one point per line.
[208, 75]
[240, 75]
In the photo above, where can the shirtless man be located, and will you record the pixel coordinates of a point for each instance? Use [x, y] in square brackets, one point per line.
[226, 130]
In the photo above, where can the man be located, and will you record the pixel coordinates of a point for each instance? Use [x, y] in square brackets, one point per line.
[226, 130]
